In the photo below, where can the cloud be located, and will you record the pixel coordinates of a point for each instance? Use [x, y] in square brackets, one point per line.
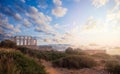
[17, 16]
[47, 40]
[7, 29]
[99, 3]
[90, 24]
[40, 20]
[23, 1]
[44, 28]
[33, 9]
[77, 0]
[5, 25]
[116, 6]
[42, 6]
[59, 11]
[113, 16]
[8, 11]
[117, 2]
[57, 26]
[26, 23]
[113, 19]
[17, 28]
[39, 17]
[9, 26]
[57, 2]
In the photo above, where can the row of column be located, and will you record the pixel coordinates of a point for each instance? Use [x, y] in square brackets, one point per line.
[25, 40]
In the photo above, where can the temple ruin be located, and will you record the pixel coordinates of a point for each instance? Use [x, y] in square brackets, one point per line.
[25, 41]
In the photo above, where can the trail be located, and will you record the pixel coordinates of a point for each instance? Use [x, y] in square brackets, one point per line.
[51, 70]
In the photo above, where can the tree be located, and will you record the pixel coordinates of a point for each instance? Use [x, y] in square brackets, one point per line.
[7, 44]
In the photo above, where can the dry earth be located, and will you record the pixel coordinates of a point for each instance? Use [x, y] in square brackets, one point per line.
[51, 70]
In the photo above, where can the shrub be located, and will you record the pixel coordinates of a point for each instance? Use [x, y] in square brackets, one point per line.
[46, 55]
[78, 51]
[113, 66]
[7, 44]
[14, 62]
[117, 57]
[75, 61]
[101, 56]
[52, 55]
[23, 49]
[69, 50]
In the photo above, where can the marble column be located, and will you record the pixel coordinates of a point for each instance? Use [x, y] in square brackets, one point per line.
[27, 41]
[23, 40]
[19, 40]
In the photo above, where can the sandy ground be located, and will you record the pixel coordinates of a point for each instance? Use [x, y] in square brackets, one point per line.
[51, 70]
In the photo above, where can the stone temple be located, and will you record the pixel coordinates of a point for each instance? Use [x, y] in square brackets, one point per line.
[27, 41]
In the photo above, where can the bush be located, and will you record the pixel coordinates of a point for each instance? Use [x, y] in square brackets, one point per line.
[7, 44]
[77, 51]
[117, 57]
[46, 55]
[14, 62]
[75, 61]
[52, 55]
[113, 66]
[102, 56]
[23, 49]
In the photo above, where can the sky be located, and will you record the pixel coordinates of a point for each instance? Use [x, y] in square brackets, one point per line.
[75, 22]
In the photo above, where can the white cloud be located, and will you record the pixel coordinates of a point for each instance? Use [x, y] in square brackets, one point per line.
[77, 0]
[117, 2]
[99, 3]
[17, 28]
[40, 20]
[59, 11]
[23, 1]
[42, 6]
[56, 26]
[6, 25]
[26, 23]
[45, 28]
[17, 16]
[113, 19]
[91, 24]
[33, 9]
[47, 40]
[9, 26]
[8, 29]
[57, 2]
[116, 6]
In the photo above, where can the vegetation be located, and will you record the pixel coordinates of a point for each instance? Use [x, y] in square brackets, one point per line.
[13, 59]
[75, 61]
[7, 44]
[14, 62]
[70, 59]
[47, 55]
[101, 56]
[113, 66]
[77, 51]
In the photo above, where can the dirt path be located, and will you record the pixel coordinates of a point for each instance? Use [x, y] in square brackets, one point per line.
[52, 70]
[49, 68]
